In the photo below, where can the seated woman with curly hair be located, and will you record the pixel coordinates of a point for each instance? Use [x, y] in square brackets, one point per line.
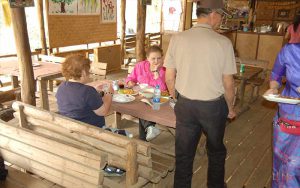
[77, 100]
[82, 102]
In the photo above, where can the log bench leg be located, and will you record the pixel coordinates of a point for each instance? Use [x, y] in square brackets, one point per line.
[117, 122]
[44, 94]
[14, 81]
[242, 92]
[50, 83]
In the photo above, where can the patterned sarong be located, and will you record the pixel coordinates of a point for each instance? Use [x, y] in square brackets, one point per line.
[286, 159]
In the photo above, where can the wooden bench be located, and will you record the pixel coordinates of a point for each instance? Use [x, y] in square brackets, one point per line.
[144, 166]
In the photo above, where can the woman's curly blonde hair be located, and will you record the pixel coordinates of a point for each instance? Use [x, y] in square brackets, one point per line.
[73, 65]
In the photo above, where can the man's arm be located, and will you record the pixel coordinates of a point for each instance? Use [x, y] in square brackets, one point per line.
[170, 81]
[228, 83]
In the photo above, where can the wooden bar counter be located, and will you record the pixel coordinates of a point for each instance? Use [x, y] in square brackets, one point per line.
[253, 45]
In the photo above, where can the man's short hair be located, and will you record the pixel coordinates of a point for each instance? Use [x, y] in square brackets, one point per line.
[205, 7]
[203, 12]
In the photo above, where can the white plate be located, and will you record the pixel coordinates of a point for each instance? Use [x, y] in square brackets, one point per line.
[142, 86]
[277, 98]
[122, 98]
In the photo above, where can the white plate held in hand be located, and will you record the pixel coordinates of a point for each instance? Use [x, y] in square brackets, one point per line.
[280, 99]
[122, 98]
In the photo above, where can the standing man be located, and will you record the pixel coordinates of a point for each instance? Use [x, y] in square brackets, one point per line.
[200, 66]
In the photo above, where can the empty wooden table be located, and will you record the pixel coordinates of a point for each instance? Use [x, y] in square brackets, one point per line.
[43, 72]
[249, 73]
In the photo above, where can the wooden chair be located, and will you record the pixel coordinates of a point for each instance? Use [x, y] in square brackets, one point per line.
[130, 68]
[109, 54]
[73, 154]
[98, 71]
[154, 39]
[130, 44]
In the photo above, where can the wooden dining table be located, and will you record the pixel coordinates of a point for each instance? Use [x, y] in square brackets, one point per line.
[164, 116]
[43, 72]
[249, 73]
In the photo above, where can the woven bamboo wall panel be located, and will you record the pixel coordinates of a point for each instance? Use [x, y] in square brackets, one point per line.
[74, 30]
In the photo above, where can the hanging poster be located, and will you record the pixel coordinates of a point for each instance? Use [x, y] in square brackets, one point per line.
[172, 10]
[21, 3]
[109, 11]
[63, 7]
[89, 7]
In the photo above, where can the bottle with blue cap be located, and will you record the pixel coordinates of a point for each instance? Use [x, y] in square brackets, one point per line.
[156, 98]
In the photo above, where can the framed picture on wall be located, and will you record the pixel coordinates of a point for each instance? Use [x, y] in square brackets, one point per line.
[63, 7]
[21, 3]
[283, 13]
[108, 11]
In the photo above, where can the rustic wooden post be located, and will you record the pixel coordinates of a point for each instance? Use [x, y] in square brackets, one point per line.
[24, 55]
[118, 118]
[22, 117]
[188, 15]
[123, 28]
[131, 165]
[140, 31]
[40, 14]
[183, 15]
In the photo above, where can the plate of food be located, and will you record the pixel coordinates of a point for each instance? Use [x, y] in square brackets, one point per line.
[163, 100]
[122, 98]
[282, 99]
[165, 94]
[128, 91]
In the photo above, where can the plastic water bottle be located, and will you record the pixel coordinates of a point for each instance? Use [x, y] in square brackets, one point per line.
[115, 85]
[156, 98]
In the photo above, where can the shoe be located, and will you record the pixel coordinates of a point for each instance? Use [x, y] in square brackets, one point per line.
[113, 171]
[152, 132]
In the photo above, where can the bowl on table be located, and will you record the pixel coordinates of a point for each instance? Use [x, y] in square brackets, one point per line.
[147, 94]
[143, 86]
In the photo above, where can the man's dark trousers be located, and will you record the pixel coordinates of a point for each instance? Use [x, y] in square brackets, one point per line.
[192, 118]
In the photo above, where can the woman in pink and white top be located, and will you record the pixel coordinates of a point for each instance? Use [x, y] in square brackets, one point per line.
[149, 72]
[293, 31]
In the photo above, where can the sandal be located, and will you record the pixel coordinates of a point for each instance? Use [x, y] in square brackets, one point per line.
[113, 171]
